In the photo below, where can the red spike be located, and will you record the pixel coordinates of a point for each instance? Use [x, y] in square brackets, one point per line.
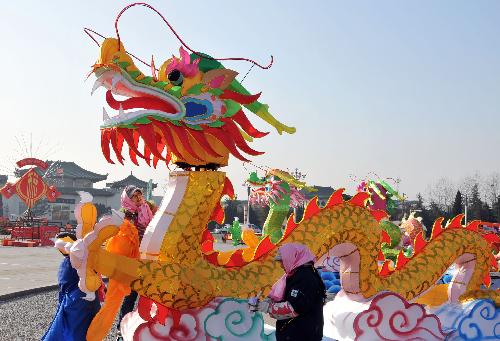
[380, 256]
[168, 157]
[218, 214]
[419, 243]
[117, 144]
[240, 98]
[401, 261]
[290, 226]
[245, 124]
[207, 242]
[235, 133]
[385, 271]
[147, 154]
[227, 141]
[105, 139]
[183, 137]
[311, 209]
[212, 258]
[148, 135]
[491, 238]
[203, 142]
[207, 246]
[263, 248]
[379, 214]
[133, 156]
[167, 136]
[228, 188]
[473, 225]
[160, 146]
[487, 279]
[132, 141]
[236, 259]
[456, 222]
[336, 198]
[359, 199]
[437, 227]
[493, 262]
[385, 238]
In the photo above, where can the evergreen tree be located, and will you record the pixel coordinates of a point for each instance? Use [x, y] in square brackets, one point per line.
[457, 204]
[475, 204]
[495, 210]
[486, 213]
[424, 213]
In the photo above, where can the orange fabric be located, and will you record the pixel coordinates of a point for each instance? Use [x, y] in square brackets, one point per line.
[125, 243]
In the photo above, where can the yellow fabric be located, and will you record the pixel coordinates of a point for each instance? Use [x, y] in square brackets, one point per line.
[89, 217]
[436, 296]
[125, 243]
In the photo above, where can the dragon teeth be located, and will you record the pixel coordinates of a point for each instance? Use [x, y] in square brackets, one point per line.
[121, 112]
[105, 115]
[97, 84]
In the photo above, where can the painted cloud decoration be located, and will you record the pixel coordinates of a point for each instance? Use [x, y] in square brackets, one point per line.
[478, 320]
[391, 318]
[222, 319]
[239, 323]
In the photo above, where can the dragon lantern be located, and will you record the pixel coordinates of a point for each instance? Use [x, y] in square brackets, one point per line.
[191, 112]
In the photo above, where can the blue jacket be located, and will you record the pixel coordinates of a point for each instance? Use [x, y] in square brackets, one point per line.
[73, 314]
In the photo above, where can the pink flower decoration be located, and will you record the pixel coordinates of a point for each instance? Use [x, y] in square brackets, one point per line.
[184, 64]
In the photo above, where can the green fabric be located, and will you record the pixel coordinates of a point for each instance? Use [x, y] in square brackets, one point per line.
[235, 231]
[231, 107]
[393, 231]
[272, 225]
[206, 64]
[254, 178]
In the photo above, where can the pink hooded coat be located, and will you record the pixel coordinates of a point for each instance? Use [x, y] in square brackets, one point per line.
[293, 255]
[144, 214]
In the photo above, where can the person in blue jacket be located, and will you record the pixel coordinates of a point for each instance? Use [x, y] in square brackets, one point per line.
[76, 309]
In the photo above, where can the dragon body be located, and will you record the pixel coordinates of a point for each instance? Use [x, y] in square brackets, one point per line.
[191, 114]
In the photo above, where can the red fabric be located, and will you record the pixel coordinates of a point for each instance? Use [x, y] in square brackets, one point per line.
[281, 310]
[240, 98]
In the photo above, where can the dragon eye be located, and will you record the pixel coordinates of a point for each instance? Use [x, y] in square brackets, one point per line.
[175, 77]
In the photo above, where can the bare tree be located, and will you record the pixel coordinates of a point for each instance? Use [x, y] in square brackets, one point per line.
[467, 184]
[442, 193]
[490, 188]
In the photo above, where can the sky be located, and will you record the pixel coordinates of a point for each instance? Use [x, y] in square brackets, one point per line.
[406, 90]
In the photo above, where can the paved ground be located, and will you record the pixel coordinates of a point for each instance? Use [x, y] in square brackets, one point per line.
[23, 268]
[28, 317]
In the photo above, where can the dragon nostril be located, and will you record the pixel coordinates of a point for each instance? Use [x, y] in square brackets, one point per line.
[176, 77]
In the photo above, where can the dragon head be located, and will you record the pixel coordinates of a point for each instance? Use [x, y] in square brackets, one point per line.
[277, 188]
[190, 112]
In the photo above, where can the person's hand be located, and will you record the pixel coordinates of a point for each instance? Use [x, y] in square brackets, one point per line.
[255, 305]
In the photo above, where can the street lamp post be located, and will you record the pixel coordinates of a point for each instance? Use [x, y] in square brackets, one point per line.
[300, 176]
[465, 209]
[248, 206]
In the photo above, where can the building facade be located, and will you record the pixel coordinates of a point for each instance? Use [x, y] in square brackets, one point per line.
[70, 179]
